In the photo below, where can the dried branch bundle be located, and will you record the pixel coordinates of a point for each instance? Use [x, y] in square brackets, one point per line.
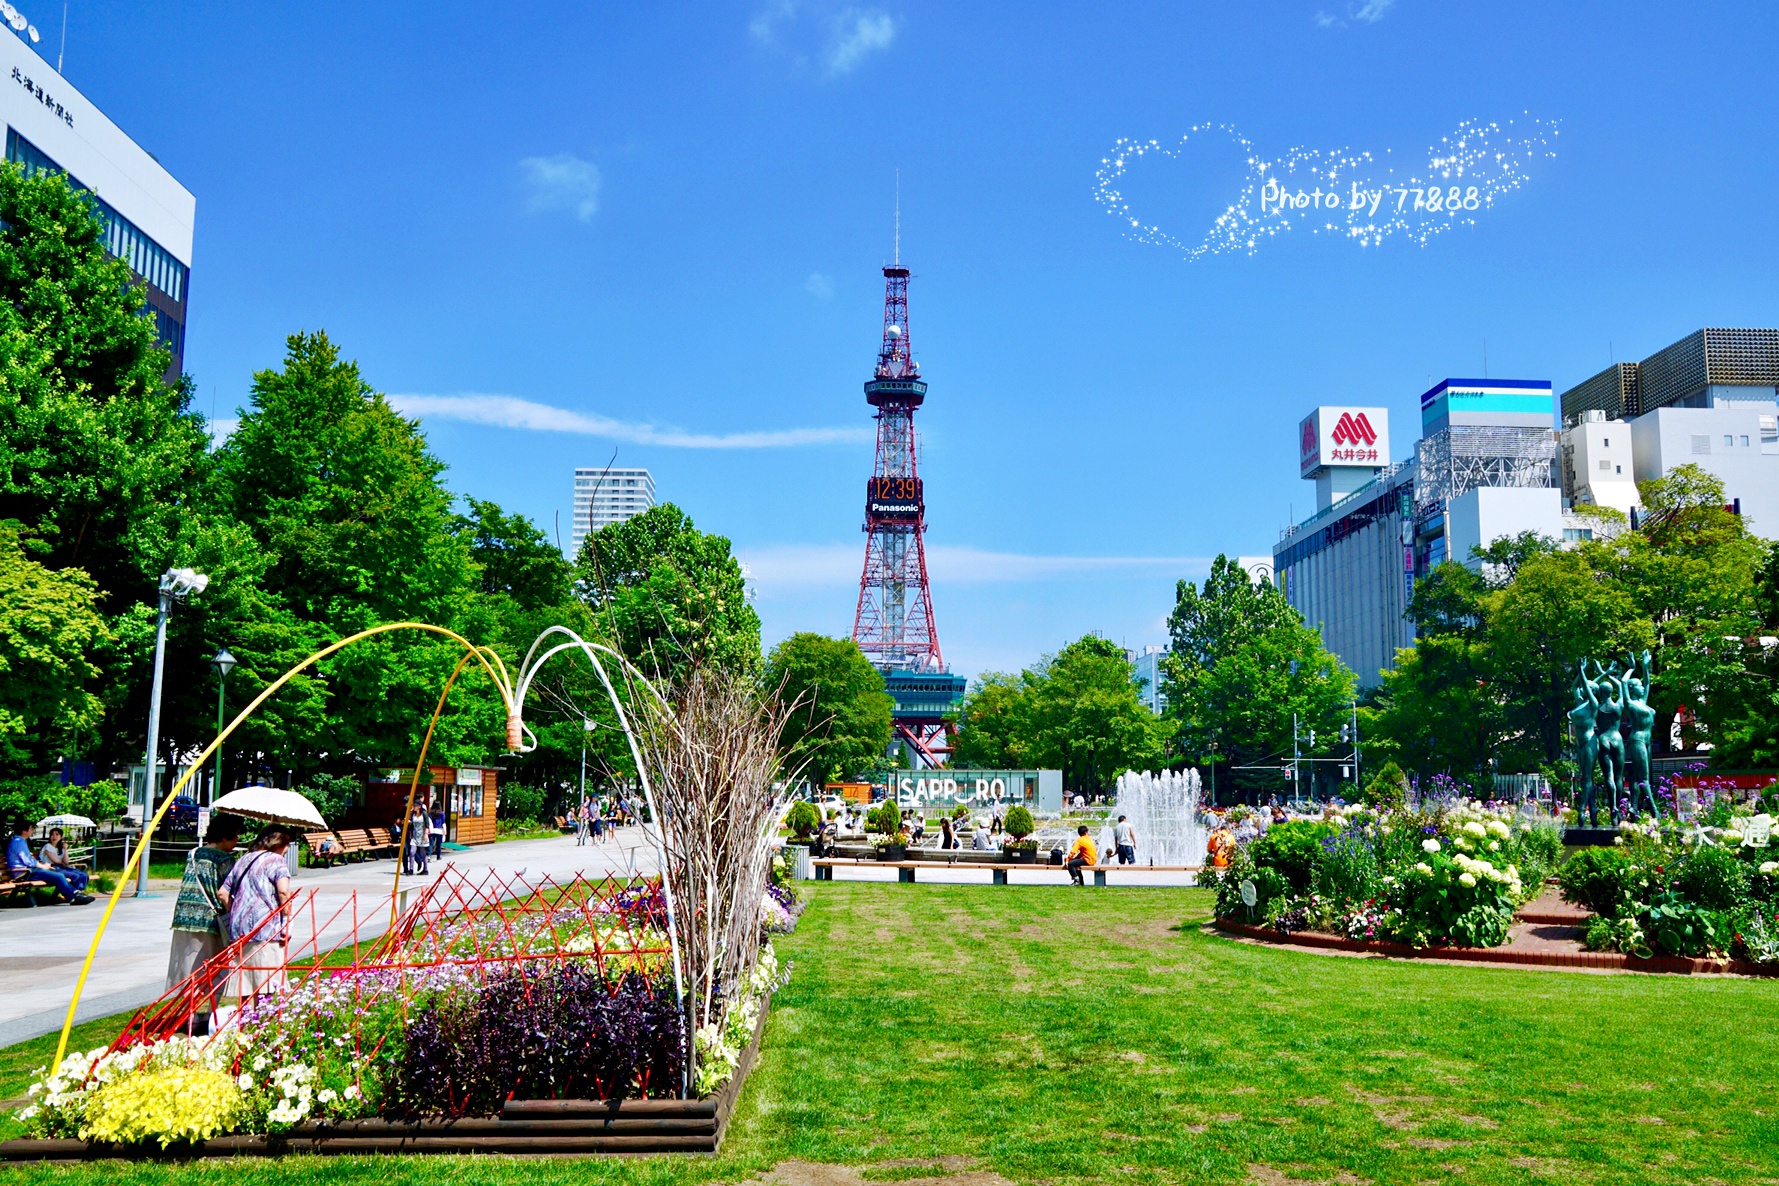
[712, 759]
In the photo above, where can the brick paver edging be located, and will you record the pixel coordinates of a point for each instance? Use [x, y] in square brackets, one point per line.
[1501, 955]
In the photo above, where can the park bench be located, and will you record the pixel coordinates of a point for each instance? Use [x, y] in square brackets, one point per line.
[564, 824]
[24, 885]
[824, 868]
[356, 842]
[381, 839]
[312, 841]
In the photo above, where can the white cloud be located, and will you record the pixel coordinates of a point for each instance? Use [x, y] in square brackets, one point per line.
[562, 182]
[839, 37]
[857, 34]
[221, 430]
[1326, 20]
[1372, 11]
[506, 411]
[791, 566]
[819, 286]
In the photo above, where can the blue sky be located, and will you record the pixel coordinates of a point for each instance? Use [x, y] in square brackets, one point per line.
[663, 225]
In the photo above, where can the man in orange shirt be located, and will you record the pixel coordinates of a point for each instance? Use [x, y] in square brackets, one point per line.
[1084, 853]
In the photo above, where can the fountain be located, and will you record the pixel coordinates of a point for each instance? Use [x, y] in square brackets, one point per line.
[1163, 808]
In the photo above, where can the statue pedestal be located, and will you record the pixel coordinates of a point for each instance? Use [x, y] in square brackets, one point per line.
[1591, 837]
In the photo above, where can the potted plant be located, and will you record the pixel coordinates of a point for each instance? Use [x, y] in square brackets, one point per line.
[1021, 850]
[885, 820]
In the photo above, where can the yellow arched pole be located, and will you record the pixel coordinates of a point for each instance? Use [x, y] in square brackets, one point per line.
[501, 681]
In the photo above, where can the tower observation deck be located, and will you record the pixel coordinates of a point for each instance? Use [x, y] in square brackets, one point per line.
[894, 624]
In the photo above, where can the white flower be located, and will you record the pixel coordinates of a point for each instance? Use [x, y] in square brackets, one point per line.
[1424, 869]
[1769, 867]
[1466, 879]
[1494, 846]
[351, 1092]
[1475, 829]
[1430, 845]
[245, 1082]
[327, 1095]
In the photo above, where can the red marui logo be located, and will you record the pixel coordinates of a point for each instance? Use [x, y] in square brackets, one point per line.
[1310, 443]
[1354, 430]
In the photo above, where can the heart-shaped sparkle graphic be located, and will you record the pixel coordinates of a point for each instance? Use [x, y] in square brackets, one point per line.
[1349, 194]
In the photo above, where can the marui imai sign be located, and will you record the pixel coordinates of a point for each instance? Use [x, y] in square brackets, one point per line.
[1343, 436]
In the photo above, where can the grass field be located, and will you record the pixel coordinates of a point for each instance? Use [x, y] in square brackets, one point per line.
[1056, 1035]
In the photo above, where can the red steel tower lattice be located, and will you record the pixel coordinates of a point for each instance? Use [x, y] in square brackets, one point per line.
[894, 625]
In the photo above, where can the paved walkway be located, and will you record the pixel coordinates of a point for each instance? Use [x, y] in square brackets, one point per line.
[43, 947]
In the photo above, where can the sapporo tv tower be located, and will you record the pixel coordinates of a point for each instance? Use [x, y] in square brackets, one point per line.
[894, 626]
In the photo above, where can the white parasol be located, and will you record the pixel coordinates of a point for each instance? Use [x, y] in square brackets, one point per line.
[65, 822]
[270, 804]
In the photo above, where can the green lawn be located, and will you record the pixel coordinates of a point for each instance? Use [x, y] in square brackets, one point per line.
[1070, 1035]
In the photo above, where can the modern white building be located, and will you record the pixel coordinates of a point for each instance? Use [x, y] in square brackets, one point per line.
[1146, 664]
[1483, 468]
[52, 127]
[606, 496]
[1710, 399]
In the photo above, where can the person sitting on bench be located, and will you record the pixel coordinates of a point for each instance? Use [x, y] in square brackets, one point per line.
[54, 854]
[22, 866]
[1083, 853]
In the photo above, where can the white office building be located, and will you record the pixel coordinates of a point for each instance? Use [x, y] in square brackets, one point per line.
[1146, 669]
[52, 127]
[1711, 400]
[606, 496]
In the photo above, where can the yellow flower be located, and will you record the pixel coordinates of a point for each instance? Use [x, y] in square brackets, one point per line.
[177, 1104]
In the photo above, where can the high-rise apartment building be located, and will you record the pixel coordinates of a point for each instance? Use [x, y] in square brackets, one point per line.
[51, 127]
[606, 496]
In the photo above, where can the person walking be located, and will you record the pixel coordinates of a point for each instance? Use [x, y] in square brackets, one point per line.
[22, 866]
[436, 830]
[947, 834]
[1124, 840]
[259, 900]
[583, 823]
[200, 930]
[1082, 854]
[419, 839]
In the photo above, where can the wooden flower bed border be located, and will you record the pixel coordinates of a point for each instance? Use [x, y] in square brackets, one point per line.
[525, 1128]
[1617, 960]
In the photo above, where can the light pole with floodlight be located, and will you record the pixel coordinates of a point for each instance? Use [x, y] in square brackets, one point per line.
[224, 663]
[177, 584]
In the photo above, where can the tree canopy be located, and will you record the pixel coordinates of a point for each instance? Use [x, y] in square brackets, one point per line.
[842, 723]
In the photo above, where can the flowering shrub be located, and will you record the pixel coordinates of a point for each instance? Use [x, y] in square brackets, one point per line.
[189, 1103]
[719, 1045]
[1451, 871]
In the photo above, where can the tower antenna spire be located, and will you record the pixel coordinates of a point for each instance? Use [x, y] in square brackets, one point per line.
[898, 218]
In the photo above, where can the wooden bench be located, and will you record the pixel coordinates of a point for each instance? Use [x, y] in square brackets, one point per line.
[24, 885]
[381, 840]
[356, 842]
[313, 840]
[824, 868]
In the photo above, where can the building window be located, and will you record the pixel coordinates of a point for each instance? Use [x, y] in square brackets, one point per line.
[1605, 464]
[1574, 535]
[1701, 443]
[1728, 439]
[1606, 442]
[1744, 442]
[1618, 469]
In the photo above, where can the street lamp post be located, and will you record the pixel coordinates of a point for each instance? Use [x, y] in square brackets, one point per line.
[224, 663]
[177, 584]
[586, 728]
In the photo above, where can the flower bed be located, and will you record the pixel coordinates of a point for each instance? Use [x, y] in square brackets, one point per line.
[1448, 874]
[560, 995]
[1690, 890]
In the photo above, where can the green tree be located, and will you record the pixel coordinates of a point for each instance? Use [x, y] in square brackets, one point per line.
[671, 595]
[96, 448]
[49, 629]
[1077, 711]
[514, 557]
[842, 721]
[1243, 664]
[994, 729]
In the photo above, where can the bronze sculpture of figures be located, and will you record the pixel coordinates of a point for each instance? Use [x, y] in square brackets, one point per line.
[1613, 721]
[1638, 724]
